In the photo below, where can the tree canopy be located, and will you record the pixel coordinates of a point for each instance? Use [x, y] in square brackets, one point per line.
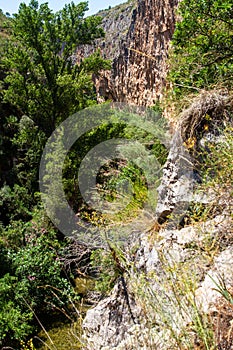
[41, 85]
[203, 44]
[44, 79]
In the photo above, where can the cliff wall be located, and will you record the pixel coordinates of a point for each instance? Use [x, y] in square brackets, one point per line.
[138, 36]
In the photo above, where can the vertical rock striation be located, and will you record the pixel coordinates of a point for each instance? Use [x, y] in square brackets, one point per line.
[140, 61]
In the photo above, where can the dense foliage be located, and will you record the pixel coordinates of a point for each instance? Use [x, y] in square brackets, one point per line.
[202, 45]
[41, 85]
[43, 79]
[31, 279]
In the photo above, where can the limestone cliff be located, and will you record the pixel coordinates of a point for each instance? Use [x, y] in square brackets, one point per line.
[139, 49]
[138, 35]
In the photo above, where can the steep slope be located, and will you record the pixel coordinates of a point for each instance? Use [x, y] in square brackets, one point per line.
[137, 39]
[176, 288]
[4, 30]
[116, 22]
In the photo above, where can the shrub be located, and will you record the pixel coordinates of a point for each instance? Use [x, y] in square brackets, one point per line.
[31, 282]
[202, 45]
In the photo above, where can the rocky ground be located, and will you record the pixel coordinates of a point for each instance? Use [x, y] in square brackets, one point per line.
[176, 292]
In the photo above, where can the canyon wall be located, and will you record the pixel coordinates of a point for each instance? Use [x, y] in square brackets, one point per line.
[138, 36]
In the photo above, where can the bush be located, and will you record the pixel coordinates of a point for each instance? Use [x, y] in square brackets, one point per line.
[202, 45]
[31, 282]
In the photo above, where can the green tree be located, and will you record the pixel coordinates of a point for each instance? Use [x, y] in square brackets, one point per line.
[42, 85]
[43, 79]
[203, 44]
[32, 279]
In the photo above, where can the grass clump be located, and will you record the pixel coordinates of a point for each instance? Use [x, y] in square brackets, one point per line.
[173, 317]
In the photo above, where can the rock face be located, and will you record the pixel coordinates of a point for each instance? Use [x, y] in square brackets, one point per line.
[168, 259]
[167, 265]
[174, 272]
[107, 324]
[138, 35]
[178, 182]
[207, 295]
[139, 73]
[115, 22]
[180, 175]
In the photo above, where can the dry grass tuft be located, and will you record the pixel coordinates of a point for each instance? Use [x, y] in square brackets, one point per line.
[222, 320]
[209, 110]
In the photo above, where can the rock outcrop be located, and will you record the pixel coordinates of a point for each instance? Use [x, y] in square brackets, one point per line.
[139, 73]
[171, 257]
[177, 278]
[111, 319]
[194, 132]
[138, 35]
